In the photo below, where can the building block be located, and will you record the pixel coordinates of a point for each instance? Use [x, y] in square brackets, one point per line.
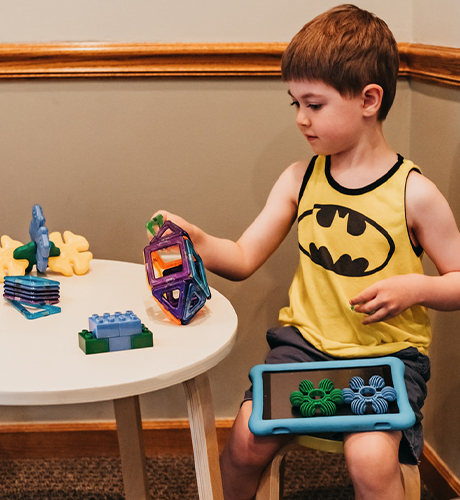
[144, 339]
[119, 343]
[103, 327]
[114, 332]
[175, 272]
[114, 325]
[90, 344]
[129, 324]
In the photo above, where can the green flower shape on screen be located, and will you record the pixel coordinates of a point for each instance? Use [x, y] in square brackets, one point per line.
[322, 400]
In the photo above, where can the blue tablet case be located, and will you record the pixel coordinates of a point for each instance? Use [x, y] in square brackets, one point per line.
[273, 412]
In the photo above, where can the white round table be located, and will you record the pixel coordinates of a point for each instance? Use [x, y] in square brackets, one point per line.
[41, 362]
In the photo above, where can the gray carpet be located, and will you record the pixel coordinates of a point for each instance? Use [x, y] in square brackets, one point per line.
[309, 474]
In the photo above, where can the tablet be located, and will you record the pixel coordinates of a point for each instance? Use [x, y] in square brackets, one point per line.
[360, 410]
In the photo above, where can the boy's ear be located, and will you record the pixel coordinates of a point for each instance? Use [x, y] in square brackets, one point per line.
[372, 99]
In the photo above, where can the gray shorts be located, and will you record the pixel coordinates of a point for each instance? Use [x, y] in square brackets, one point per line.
[288, 346]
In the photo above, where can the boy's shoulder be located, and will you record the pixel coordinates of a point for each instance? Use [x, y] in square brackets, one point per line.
[295, 172]
[420, 190]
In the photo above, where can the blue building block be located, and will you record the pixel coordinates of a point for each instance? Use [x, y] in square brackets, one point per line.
[103, 327]
[119, 343]
[129, 324]
[115, 325]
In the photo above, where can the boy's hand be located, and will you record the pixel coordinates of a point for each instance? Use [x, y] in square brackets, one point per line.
[387, 298]
[182, 223]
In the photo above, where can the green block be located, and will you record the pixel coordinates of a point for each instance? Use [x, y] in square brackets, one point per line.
[157, 221]
[91, 345]
[29, 252]
[144, 339]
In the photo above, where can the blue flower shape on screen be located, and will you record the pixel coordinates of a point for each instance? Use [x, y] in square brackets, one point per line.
[312, 401]
[377, 394]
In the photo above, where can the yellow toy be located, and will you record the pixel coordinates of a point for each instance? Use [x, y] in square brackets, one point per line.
[8, 264]
[68, 256]
[73, 258]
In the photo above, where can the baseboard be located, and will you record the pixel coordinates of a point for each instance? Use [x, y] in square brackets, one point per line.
[437, 476]
[62, 440]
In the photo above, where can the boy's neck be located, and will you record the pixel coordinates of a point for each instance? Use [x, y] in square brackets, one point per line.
[366, 162]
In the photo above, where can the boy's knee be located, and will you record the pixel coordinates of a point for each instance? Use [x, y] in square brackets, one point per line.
[372, 458]
[244, 449]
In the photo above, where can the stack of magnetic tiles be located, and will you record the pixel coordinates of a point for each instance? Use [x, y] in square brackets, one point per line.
[114, 332]
[31, 295]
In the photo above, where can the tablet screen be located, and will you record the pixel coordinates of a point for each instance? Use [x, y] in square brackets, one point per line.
[278, 385]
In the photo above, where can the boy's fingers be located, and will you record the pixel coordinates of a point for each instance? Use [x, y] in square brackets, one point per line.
[364, 297]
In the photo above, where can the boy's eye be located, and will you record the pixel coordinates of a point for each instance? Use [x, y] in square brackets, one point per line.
[295, 103]
[315, 107]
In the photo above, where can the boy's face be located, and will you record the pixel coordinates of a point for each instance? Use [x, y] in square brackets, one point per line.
[330, 122]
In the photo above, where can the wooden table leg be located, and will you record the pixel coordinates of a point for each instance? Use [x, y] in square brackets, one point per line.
[132, 452]
[204, 437]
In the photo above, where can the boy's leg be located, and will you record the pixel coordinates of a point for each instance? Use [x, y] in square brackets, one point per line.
[245, 456]
[373, 463]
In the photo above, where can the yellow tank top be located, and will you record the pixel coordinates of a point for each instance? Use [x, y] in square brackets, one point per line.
[348, 240]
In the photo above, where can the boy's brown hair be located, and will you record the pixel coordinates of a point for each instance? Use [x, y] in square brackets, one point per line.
[346, 48]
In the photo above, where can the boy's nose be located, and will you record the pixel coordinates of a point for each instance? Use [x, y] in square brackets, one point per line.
[302, 119]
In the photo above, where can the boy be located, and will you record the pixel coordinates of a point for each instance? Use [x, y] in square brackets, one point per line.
[365, 215]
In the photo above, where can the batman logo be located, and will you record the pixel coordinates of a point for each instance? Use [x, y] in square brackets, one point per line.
[344, 241]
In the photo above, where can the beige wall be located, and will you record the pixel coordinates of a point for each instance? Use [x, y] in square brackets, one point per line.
[435, 145]
[436, 23]
[170, 21]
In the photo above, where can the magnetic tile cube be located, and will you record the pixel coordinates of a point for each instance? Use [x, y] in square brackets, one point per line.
[175, 273]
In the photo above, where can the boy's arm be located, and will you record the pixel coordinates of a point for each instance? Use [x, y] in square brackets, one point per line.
[238, 260]
[432, 225]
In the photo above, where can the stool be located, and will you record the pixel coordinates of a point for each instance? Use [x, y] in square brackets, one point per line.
[271, 482]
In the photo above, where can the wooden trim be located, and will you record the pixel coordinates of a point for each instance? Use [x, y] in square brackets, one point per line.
[88, 60]
[430, 63]
[433, 64]
[62, 440]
